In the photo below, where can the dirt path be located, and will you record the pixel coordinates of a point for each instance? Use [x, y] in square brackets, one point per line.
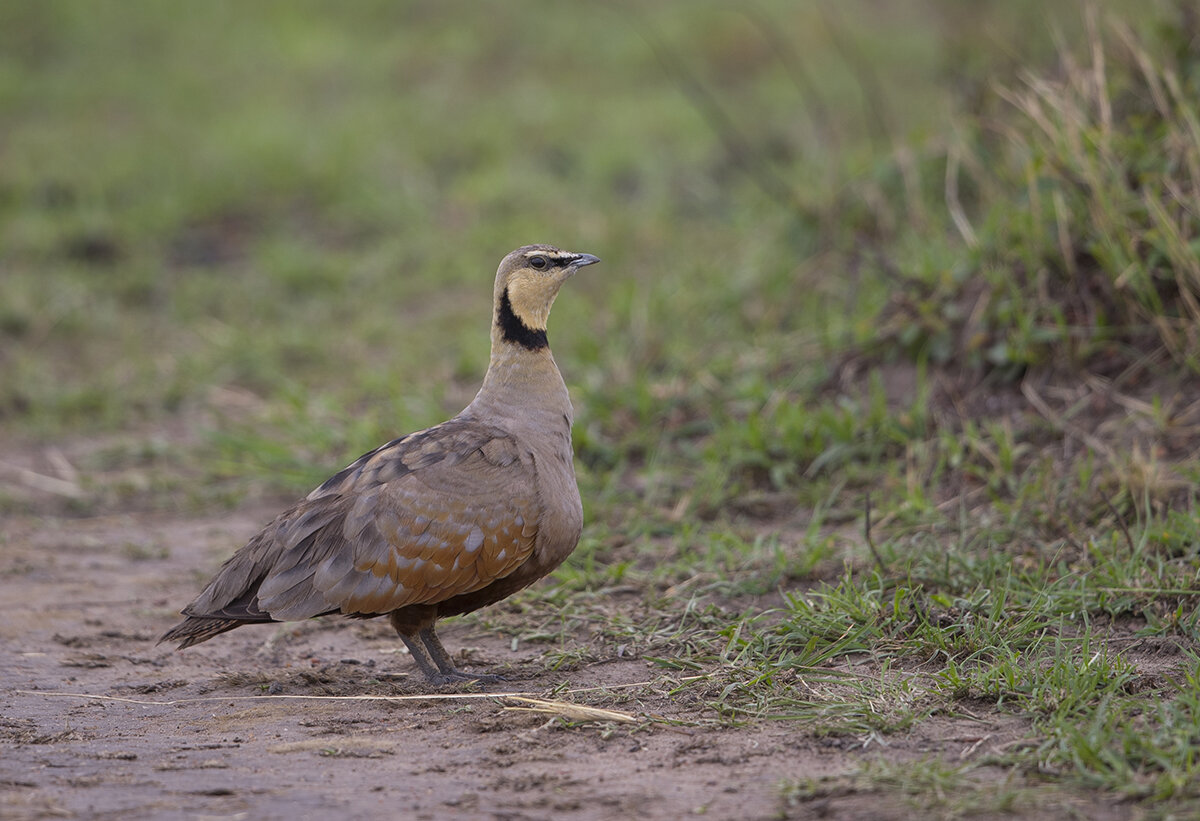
[83, 600]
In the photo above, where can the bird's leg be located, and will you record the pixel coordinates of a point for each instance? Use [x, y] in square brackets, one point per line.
[410, 623]
[446, 664]
[414, 624]
[417, 651]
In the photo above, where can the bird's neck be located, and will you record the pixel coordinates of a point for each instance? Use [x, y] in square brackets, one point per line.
[522, 382]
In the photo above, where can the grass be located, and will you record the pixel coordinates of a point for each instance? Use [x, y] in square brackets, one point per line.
[956, 274]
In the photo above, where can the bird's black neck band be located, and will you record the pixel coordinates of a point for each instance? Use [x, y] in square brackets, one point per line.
[515, 331]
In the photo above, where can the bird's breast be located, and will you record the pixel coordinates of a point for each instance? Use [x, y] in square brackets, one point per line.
[562, 509]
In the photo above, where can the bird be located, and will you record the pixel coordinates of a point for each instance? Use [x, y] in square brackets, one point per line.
[437, 523]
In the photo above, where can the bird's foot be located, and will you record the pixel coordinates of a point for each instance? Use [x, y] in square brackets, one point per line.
[445, 664]
[435, 663]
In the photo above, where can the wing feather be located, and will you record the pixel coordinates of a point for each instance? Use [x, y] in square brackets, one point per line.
[423, 519]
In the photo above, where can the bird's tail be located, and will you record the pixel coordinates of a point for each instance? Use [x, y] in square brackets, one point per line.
[195, 629]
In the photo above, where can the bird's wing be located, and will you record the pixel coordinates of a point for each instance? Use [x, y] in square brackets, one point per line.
[420, 520]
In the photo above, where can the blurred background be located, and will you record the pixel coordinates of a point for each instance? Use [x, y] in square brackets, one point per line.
[242, 243]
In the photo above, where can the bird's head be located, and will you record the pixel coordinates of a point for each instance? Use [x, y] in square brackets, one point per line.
[527, 282]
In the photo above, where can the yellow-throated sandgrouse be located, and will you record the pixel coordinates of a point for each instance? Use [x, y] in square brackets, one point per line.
[435, 523]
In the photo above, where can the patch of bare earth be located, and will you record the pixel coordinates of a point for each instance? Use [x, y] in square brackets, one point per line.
[96, 721]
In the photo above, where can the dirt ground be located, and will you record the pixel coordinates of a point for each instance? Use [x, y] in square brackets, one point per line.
[96, 721]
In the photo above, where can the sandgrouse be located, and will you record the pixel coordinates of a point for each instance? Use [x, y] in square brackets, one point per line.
[436, 523]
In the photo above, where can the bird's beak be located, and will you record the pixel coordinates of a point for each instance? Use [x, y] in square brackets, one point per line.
[584, 259]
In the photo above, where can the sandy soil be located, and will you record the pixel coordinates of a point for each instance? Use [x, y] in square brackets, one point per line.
[96, 721]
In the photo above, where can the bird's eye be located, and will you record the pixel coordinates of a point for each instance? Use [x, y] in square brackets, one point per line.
[538, 263]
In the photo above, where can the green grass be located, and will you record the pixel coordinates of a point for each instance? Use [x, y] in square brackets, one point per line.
[918, 254]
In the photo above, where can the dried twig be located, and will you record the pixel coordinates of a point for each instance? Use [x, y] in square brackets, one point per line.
[569, 710]
[418, 697]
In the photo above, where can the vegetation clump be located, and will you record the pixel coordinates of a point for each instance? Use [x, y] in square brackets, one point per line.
[1076, 193]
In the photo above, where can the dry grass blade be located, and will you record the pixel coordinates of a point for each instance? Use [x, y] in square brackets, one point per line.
[1062, 424]
[274, 697]
[953, 204]
[41, 482]
[569, 711]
